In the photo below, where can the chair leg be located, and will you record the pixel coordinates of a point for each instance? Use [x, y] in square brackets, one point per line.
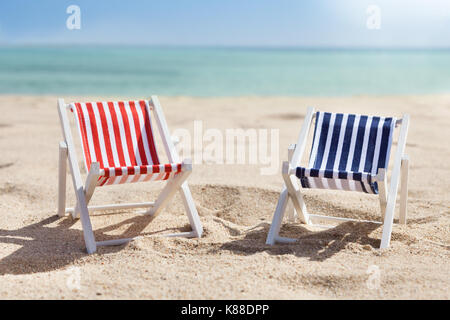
[295, 193]
[191, 210]
[404, 190]
[382, 187]
[91, 183]
[393, 188]
[167, 193]
[387, 225]
[278, 217]
[88, 234]
[62, 179]
[292, 213]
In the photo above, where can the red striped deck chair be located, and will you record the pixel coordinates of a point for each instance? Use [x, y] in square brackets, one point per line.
[351, 153]
[118, 144]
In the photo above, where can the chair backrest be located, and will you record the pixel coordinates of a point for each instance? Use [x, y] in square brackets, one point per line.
[116, 134]
[350, 142]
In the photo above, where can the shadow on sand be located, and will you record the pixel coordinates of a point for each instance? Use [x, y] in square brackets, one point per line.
[44, 248]
[315, 245]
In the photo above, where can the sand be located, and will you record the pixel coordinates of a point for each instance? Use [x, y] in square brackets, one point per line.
[42, 256]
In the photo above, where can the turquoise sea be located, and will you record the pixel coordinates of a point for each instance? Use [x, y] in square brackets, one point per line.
[137, 71]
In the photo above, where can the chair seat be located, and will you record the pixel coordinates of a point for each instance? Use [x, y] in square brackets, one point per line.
[118, 175]
[337, 180]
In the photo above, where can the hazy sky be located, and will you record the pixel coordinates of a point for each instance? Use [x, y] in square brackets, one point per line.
[312, 23]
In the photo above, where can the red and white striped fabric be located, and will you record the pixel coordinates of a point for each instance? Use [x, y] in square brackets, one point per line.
[119, 136]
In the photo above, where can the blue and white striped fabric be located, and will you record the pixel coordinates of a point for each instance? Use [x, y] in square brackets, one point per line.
[347, 151]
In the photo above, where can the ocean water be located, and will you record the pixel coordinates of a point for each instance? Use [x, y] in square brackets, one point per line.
[138, 71]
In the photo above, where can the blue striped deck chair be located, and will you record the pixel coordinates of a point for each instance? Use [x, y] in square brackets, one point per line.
[349, 152]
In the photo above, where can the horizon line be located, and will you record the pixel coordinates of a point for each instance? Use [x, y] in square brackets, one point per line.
[220, 46]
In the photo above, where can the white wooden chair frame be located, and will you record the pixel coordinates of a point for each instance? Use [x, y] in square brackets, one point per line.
[291, 189]
[85, 191]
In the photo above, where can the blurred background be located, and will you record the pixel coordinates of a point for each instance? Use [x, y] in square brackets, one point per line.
[225, 48]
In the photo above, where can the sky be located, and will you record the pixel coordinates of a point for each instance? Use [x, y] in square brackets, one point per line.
[267, 23]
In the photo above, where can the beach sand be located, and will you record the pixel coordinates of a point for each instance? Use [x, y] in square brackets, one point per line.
[43, 255]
